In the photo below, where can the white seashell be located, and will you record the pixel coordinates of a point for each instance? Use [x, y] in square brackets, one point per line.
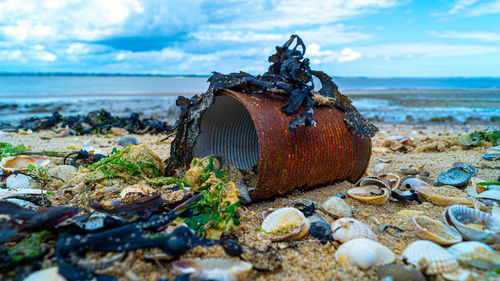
[337, 207]
[216, 269]
[370, 194]
[476, 254]
[489, 196]
[445, 195]
[89, 146]
[461, 275]
[435, 231]
[495, 211]
[346, 229]
[48, 274]
[364, 253]
[473, 224]
[23, 203]
[19, 181]
[4, 193]
[286, 224]
[429, 257]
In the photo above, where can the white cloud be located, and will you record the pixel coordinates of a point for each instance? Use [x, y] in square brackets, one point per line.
[348, 54]
[491, 7]
[472, 35]
[472, 8]
[422, 49]
[461, 5]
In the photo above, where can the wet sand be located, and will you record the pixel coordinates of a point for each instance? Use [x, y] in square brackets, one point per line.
[433, 148]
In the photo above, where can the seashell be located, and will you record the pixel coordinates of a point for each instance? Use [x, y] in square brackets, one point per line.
[136, 188]
[399, 138]
[23, 203]
[286, 224]
[213, 269]
[381, 168]
[127, 140]
[267, 212]
[62, 172]
[399, 272]
[21, 163]
[4, 193]
[429, 257]
[475, 254]
[48, 274]
[89, 145]
[435, 231]
[461, 275]
[19, 181]
[492, 153]
[443, 195]
[456, 176]
[346, 229]
[117, 131]
[409, 213]
[336, 207]
[411, 171]
[473, 224]
[392, 180]
[412, 183]
[370, 190]
[489, 196]
[364, 253]
[385, 159]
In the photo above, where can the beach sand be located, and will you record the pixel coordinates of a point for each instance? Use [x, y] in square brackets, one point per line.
[433, 148]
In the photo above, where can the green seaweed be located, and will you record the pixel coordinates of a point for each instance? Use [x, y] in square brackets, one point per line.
[29, 247]
[477, 138]
[7, 149]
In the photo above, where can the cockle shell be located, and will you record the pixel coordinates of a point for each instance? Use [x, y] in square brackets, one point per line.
[217, 269]
[446, 195]
[435, 231]
[20, 181]
[392, 180]
[293, 221]
[346, 229]
[364, 253]
[48, 274]
[337, 207]
[429, 257]
[476, 254]
[370, 190]
[473, 224]
[489, 196]
[20, 163]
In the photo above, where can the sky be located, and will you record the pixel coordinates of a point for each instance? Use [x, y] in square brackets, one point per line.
[370, 38]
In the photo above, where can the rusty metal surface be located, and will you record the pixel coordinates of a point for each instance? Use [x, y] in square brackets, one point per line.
[307, 157]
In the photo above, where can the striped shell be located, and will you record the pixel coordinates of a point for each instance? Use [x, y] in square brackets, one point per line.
[286, 224]
[20, 163]
[429, 257]
[446, 195]
[475, 254]
[213, 269]
[489, 196]
[370, 194]
[346, 229]
[435, 231]
[364, 253]
[337, 207]
[473, 224]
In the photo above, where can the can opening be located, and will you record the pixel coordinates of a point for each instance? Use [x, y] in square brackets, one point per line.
[227, 130]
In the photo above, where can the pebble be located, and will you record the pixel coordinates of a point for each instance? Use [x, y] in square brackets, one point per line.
[306, 206]
[124, 141]
[118, 131]
[63, 172]
[492, 153]
[320, 228]
[19, 181]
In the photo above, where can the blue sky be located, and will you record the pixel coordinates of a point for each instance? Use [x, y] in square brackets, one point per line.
[375, 38]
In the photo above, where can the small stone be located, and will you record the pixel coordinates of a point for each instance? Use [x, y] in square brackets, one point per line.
[124, 141]
[306, 206]
[492, 153]
[23, 132]
[320, 228]
[63, 172]
[118, 131]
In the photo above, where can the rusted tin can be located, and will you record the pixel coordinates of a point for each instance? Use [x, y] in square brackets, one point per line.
[250, 131]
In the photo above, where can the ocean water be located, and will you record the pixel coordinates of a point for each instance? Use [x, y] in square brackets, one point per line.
[384, 99]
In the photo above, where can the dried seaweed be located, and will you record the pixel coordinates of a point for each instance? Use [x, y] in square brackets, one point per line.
[289, 75]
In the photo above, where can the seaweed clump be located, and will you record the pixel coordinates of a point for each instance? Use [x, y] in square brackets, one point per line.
[478, 137]
[288, 75]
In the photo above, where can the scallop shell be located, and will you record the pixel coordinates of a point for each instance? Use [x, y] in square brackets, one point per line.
[371, 194]
[429, 257]
[473, 224]
[489, 196]
[337, 207]
[20, 163]
[346, 229]
[286, 218]
[19, 181]
[435, 231]
[213, 269]
[48, 274]
[476, 254]
[446, 195]
[364, 253]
